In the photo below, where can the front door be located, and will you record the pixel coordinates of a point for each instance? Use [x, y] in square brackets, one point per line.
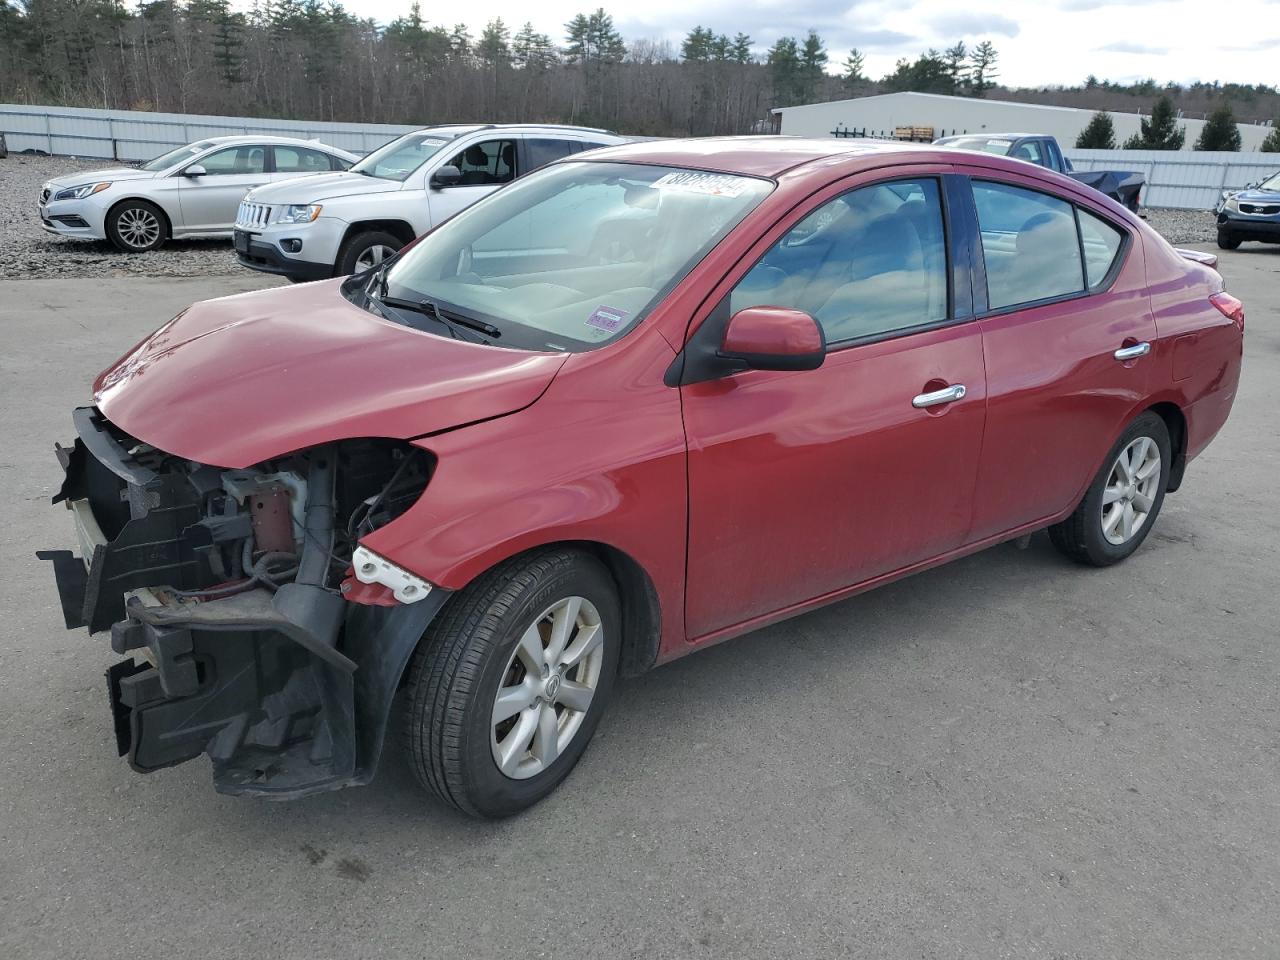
[485, 167]
[804, 483]
[209, 202]
[1065, 340]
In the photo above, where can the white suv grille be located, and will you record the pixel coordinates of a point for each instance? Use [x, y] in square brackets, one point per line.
[253, 216]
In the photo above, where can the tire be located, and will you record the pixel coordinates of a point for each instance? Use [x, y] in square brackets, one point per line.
[1084, 536]
[1227, 242]
[365, 246]
[136, 226]
[474, 648]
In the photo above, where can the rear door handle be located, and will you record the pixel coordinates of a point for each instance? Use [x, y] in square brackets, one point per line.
[1134, 352]
[946, 395]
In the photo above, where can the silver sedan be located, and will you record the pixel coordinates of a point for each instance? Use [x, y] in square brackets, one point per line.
[192, 191]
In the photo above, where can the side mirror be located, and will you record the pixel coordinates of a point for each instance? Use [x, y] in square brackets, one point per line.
[446, 176]
[774, 338]
[195, 170]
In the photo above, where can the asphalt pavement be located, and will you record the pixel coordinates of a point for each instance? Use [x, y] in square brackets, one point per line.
[1009, 756]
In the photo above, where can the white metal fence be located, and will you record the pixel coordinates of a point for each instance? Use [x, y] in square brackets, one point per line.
[1183, 179]
[141, 135]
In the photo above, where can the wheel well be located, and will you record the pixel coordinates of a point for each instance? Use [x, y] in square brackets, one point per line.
[399, 229]
[164, 217]
[1176, 422]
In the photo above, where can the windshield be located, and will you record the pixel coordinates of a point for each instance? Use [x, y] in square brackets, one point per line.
[576, 254]
[174, 157]
[997, 145]
[399, 158]
[1271, 183]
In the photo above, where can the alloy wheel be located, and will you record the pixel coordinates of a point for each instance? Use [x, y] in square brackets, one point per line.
[1130, 491]
[547, 687]
[372, 256]
[137, 227]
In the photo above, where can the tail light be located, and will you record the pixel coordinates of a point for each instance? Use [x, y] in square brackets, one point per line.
[1229, 307]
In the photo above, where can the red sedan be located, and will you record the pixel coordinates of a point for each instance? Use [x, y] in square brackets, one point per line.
[637, 403]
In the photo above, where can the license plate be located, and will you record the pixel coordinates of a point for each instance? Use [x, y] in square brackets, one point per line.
[241, 241]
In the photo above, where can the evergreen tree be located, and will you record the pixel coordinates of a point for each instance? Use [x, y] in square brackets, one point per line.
[1161, 132]
[1098, 134]
[853, 64]
[593, 39]
[813, 64]
[696, 47]
[784, 71]
[740, 49]
[531, 50]
[956, 59]
[1272, 143]
[982, 68]
[494, 47]
[1220, 131]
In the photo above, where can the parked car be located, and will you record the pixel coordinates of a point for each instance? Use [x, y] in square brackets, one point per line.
[1122, 186]
[344, 223]
[632, 405]
[1250, 214]
[193, 191]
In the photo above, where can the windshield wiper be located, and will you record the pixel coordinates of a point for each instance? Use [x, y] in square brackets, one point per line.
[454, 324]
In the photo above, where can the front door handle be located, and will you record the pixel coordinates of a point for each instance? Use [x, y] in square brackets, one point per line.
[1134, 352]
[946, 395]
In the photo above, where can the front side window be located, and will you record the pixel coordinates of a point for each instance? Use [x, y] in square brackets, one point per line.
[1029, 244]
[399, 158]
[247, 159]
[486, 164]
[576, 254]
[301, 160]
[868, 263]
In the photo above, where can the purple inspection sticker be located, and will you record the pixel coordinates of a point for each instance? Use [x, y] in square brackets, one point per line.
[607, 318]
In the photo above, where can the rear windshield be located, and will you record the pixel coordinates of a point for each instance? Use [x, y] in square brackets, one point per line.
[577, 253]
[996, 145]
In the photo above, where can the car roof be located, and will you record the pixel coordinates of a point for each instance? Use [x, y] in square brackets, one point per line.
[267, 138]
[993, 136]
[762, 156]
[454, 130]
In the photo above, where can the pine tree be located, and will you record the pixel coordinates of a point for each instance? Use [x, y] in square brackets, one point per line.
[1220, 131]
[982, 68]
[494, 47]
[955, 58]
[1272, 143]
[784, 70]
[531, 50]
[696, 47]
[853, 65]
[593, 39]
[1161, 132]
[740, 49]
[813, 63]
[1098, 134]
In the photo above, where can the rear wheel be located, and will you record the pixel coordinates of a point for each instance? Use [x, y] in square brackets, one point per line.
[364, 251]
[1123, 501]
[136, 226]
[1226, 241]
[507, 688]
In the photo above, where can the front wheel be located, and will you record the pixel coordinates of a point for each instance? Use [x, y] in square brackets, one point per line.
[364, 251]
[508, 686]
[1227, 242]
[1122, 503]
[136, 226]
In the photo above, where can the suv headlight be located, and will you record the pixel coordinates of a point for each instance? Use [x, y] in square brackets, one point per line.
[299, 213]
[1231, 203]
[82, 191]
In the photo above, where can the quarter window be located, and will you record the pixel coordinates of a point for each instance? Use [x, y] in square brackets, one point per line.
[544, 151]
[871, 262]
[233, 160]
[1101, 242]
[1029, 244]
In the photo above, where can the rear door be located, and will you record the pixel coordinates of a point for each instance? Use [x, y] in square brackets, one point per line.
[805, 483]
[1065, 326]
[209, 202]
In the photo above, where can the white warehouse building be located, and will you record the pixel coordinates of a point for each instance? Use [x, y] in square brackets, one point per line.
[881, 115]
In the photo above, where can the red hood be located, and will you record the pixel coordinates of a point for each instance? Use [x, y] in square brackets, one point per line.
[236, 381]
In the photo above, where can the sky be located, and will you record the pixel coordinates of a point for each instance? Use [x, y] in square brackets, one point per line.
[1040, 42]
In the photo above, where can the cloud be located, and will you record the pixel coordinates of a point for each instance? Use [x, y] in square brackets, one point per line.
[1109, 4]
[965, 24]
[1136, 48]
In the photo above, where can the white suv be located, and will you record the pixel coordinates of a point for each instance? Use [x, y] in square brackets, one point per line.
[337, 224]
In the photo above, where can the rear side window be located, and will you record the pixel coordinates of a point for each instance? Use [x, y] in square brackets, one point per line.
[871, 262]
[1030, 151]
[542, 151]
[1101, 242]
[1029, 244]
[300, 160]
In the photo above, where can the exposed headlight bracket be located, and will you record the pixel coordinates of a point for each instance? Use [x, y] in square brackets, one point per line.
[371, 568]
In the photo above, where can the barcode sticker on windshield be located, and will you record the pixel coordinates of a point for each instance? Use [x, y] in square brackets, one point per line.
[607, 318]
[711, 184]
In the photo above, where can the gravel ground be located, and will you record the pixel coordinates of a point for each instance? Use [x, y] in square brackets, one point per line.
[33, 253]
[30, 252]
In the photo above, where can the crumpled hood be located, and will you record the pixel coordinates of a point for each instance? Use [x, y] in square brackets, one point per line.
[1257, 196]
[320, 187]
[236, 381]
[112, 174]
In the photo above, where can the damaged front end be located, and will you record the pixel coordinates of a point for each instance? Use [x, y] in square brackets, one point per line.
[249, 634]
